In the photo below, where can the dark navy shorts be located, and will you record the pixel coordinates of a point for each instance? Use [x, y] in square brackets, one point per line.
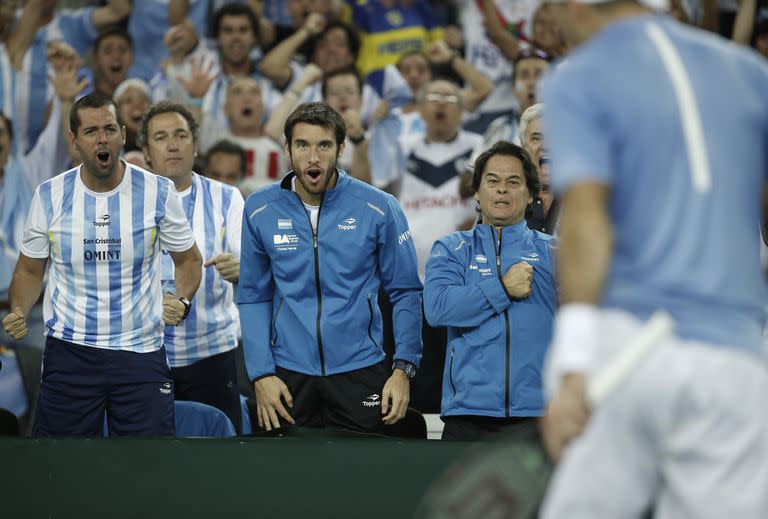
[81, 383]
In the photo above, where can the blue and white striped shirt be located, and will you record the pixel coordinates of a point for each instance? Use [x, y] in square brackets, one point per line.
[104, 257]
[212, 326]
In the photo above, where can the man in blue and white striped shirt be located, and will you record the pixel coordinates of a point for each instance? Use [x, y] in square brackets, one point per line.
[201, 351]
[98, 230]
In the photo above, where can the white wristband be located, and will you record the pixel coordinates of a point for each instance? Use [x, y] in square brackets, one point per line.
[573, 344]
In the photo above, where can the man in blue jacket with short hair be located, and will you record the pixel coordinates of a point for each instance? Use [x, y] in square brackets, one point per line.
[494, 288]
[316, 247]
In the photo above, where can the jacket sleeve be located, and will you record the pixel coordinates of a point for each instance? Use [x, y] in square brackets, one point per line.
[448, 301]
[254, 298]
[400, 278]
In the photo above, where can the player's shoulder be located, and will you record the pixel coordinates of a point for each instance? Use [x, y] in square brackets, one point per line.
[60, 179]
[270, 194]
[544, 243]
[216, 185]
[459, 243]
[379, 201]
[148, 177]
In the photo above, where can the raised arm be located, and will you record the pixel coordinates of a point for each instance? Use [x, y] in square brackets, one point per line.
[507, 43]
[275, 64]
[478, 84]
[114, 12]
[178, 10]
[274, 127]
[744, 23]
[24, 33]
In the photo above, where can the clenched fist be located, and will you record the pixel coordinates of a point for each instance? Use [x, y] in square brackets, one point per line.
[518, 280]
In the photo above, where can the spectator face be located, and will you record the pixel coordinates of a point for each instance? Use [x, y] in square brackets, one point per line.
[415, 70]
[342, 93]
[99, 140]
[503, 194]
[170, 148]
[527, 74]
[236, 39]
[225, 167]
[332, 50]
[441, 110]
[133, 104]
[244, 107]
[534, 145]
[112, 59]
[5, 142]
[314, 155]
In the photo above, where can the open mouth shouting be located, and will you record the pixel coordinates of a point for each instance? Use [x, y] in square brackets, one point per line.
[103, 159]
[313, 175]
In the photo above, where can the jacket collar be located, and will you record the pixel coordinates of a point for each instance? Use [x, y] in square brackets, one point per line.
[509, 233]
[341, 183]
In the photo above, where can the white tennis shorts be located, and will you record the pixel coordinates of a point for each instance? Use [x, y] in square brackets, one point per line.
[686, 434]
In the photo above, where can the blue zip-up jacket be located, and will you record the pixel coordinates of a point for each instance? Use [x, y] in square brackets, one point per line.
[309, 303]
[496, 345]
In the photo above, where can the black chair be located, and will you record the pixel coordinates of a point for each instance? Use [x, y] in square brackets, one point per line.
[413, 425]
[9, 424]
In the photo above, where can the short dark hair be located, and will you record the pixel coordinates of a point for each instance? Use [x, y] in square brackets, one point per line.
[507, 149]
[8, 124]
[234, 9]
[92, 100]
[167, 107]
[343, 71]
[114, 30]
[529, 53]
[317, 114]
[230, 148]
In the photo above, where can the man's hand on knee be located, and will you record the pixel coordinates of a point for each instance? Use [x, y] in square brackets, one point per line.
[270, 393]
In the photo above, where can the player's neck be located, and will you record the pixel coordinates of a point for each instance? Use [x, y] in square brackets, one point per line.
[182, 182]
[99, 184]
[607, 17]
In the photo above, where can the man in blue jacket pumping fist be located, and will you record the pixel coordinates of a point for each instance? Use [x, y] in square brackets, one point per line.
[494, 288]
[316, 247]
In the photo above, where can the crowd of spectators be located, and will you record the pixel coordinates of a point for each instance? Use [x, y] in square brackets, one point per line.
[424, 90]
